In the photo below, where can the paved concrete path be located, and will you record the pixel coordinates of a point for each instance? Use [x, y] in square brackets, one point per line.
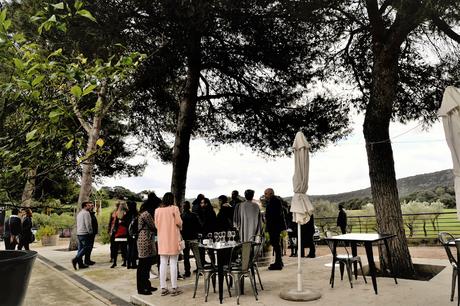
[60, 285]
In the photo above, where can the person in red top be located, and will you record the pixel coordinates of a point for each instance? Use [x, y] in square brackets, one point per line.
[119, 233]
[168, 223]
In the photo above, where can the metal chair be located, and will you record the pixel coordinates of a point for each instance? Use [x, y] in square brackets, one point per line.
[238, 272]
[446, 239]
[345, 260]
[258, 244]
[208, 271]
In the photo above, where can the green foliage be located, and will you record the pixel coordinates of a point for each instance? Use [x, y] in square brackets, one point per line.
[46, 230]
[56, 221]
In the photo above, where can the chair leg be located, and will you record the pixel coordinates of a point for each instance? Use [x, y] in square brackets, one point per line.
[454, 280]
[236, 283]
[196, 283]
[228, 285]
[207, 278]
[331, 281]
[342, 265]
[362, 271]
[253, 285]
[349, 272]
[214, 282]
[258, 276]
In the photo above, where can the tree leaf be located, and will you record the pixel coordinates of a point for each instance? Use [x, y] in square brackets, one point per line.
[58, 52]
[17, 168]
[31, 135]
[88, 89]
[18, 63]
[100, 142]
[77, 5]
[38, 80]
[3, 15]
[86, 14]
[76, 91]
[59, 6]
[69, 144]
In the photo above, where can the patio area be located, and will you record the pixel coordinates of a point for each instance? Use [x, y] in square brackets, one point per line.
[54, 282]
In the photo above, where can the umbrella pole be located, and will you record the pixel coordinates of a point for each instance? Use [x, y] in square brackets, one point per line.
[299, 294]
[299, 268]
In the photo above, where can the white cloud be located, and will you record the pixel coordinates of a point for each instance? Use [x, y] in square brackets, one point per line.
[338, 168]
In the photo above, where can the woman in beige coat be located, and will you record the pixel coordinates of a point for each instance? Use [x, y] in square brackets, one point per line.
[168, 223]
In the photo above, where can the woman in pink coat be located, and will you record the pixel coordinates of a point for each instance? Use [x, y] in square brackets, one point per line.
[168, 224]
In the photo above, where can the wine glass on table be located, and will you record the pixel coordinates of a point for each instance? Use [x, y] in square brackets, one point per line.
[216, 237]
[209, 238]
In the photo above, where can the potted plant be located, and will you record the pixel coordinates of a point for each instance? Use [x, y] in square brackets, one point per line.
[47, 235]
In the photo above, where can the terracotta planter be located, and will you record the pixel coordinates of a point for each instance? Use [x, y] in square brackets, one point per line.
[49, 240]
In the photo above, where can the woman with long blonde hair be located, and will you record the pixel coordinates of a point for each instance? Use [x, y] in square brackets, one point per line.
[119, 233]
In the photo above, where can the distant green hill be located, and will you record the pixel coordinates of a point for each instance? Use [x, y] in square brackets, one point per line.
[406, 186]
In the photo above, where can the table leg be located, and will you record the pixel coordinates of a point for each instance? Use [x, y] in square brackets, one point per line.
[370, 260]
[220, 273]
[390, 262]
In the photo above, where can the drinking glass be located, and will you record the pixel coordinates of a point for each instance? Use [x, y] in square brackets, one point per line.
[210, 237]
[216, 237]
[200, 236]
[229, 235]
[222, 236]
[233, 235]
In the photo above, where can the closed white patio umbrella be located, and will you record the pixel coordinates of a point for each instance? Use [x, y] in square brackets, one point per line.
[449, 112]
[301, 209]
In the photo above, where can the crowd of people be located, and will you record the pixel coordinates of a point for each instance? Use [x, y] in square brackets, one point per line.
[18, 230]
[153, 235]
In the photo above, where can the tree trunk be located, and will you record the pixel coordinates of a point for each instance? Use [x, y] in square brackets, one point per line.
[87, 173]
[380, 158]
[185, 122]
[29, 187]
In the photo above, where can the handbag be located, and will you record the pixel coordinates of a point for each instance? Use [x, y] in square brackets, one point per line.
[181, 243]
[32, 237]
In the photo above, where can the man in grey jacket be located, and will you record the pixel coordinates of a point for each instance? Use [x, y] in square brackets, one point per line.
[84, 232]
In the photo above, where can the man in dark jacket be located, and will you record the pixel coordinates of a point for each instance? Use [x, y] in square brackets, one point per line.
[190, 229]
[342, 220]
[94, 223]
[274, 225]
[13, 228]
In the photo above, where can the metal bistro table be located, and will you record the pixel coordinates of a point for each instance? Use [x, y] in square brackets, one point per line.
[367, 240]
[221, 250]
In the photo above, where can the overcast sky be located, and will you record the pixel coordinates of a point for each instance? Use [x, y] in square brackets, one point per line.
[338, 168]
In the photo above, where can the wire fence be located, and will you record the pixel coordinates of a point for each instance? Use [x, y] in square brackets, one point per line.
[419, 227]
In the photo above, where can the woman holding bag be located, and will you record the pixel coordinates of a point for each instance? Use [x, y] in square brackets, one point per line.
[168, 223]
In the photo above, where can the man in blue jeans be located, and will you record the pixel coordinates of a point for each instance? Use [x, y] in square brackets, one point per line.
[84, 233]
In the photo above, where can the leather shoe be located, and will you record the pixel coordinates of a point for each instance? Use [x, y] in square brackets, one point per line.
[275, 267]
[74, 263]
[82, 266]
[153, 289]
[144, 292]
[311, 256]
[89, 262]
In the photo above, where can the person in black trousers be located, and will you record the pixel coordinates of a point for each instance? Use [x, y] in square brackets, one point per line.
[13, 228]
[146, 248]
[190, 229]
[342, 219]
[131, 216]
[274, 225]
[26, 232]
[307, 231]
[92, 237]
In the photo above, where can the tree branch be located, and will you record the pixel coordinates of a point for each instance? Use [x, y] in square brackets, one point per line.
[445, 28]
[79, 115]
[376, 21]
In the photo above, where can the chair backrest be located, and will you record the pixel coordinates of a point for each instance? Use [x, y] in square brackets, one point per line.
[341, 244]
[445, 238]
[258, 242]
[194, 246]
[247, 255]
